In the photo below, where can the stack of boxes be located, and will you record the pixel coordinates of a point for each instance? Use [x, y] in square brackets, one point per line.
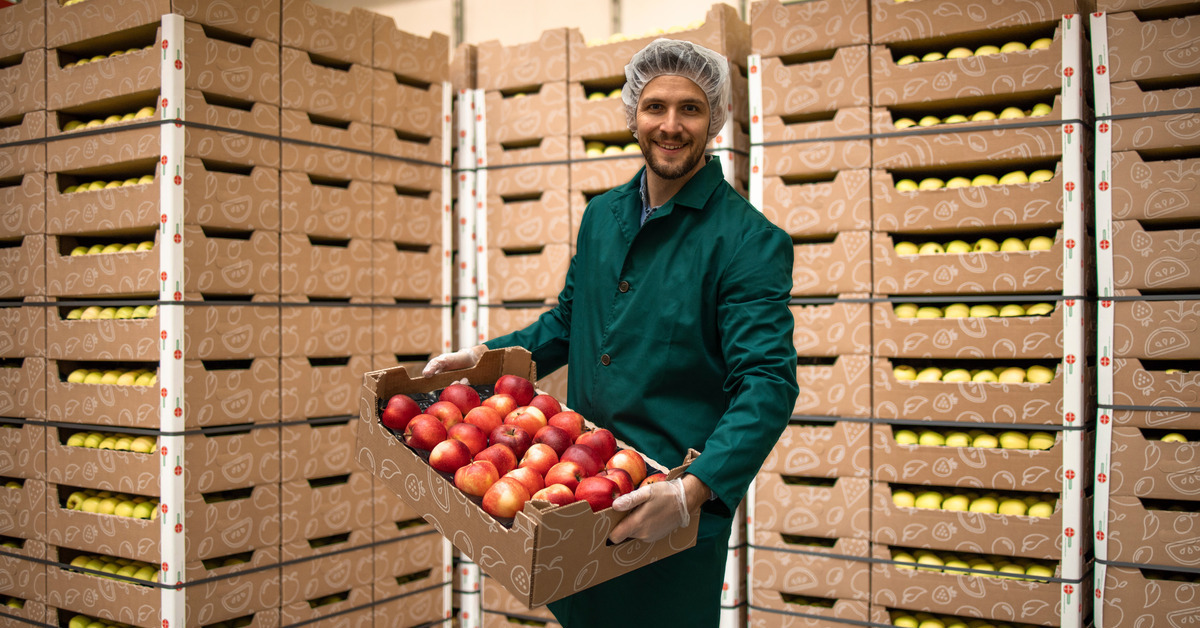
[1148, 246]
[313, 236]
[840, 151]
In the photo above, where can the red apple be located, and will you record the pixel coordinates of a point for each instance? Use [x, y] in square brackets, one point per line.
[471, 436]
[539, 457]
[520, 388]
[530, 479]
[585, 457]
[446, 411]
[527, 418]
[556, 437]
[502, 404]
[556, 494]
[597, 492]
[629, 460]
[485, 418]
[601, 441]
[449, 456]
[567, 473]
[400, 409]
[424, 432]
[499, 455]
[476, 478]
[619, 477]
[460, 395]
[547, 404]
[517, 439]
[570, 422]
[505, 498]
[652, 478]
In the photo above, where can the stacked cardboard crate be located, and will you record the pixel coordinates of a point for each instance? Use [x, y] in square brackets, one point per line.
[809, 524]
[841, 151]
[1148, 244]
[22, 312]
[278, 197]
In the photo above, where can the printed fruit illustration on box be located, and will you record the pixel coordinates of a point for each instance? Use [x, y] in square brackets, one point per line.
[506, 444]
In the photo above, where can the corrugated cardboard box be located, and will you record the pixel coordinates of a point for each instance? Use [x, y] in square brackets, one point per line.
[402, 327]
[1134, 597]
[838, 266]
[966, 467]
[974, 273]
[77, 22]
[1142, 48]
[532, 113]
[218, 460]
[527, 275]
[23, 576]
[966, 402]
[811, 86]
[804, 207]
[1029, 337]
[23, 450]
[1145, 467]
[1156, 330]
[321, 387]
[551, 149]
[830, 509]
[329, 33]
[779, 29]
[23, 267]
[966, 208]
[839, 386]
[1145, 258]
[815, 571]
[331, 209]
[23, 329]
[319, 507]
[424, 59]
[24, 511]
[23, 158]
[22, 394]
[318, 448]
[23, 84]
[1150, 535]
[818, 158]
[321, 328]
[833, 330]
[519, 221]
[831, 450]
[23, 27]
[927, 19]
[1150, 190]
[404, 214]
[967, 145]
[1136, 385]
[23, 206]
[524, 65]
[411, 272]
[546, 554]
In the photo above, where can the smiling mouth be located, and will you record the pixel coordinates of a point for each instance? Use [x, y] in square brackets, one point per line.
[669, 147]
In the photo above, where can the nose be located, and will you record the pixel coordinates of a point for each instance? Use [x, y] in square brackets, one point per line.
[671, 122]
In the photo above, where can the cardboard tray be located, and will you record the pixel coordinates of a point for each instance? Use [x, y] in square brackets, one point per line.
[778, 29]
[23, 158]
[1162, 131]
[1148, 49]
[546, 553]
[973, 273]
[842, 510]
[967, 208]
[527, 221]
[839, 82]
[1026, 337]
[839, 266]
[23, 84]
[927, 19]
[23, 27]
[825, 572]
[1160, 260]
[1150, 190]
[23, 450]
[527, 276]
[1135, 385]
[832, 450]
[403, 214]
[23, 268]
[1133, 599]
[967, 402]
[823, 207]
[23, 206]
[22, 393]
[1144, 467]
[840, 389]
[1142, 535]
[1157, 330]
[23, 329]
[832, 330]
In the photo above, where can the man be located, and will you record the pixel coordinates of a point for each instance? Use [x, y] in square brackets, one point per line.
[674, 322]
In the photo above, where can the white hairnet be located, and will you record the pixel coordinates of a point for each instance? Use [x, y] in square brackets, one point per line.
[705, 68]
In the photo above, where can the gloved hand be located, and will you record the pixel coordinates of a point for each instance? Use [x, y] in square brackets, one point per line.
[462, 359]
[661, 508]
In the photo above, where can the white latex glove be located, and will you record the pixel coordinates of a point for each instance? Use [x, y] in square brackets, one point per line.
[462, 359]
[661, 508]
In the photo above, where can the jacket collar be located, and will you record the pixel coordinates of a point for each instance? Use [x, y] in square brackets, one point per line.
[694, 194]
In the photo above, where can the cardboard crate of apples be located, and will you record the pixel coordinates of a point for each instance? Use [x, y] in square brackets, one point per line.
[529, 504]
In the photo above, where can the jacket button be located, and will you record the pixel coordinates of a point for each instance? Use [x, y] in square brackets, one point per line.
[623, 286]
[605, 360]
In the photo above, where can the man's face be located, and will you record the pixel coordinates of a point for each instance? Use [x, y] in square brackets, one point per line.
[672, 125]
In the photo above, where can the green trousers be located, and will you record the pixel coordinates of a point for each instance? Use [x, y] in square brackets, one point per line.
[680, 590]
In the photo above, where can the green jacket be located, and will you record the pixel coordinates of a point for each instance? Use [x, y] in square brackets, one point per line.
[678, 333]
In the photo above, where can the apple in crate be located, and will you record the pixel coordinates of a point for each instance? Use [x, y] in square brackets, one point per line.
[547, 404]
[476, 478]
[598, 492]
[652, 478]
[540, 457]
[601, 441]
[518, 387]
[619, 477]
[632, 462]
[569, 421]
[499, 455]
[505, 498]
[530, 479]
[527, 418]
[502, 404]
[556, 437]
[568, 474]
[557, 494]
[515, 438]
[424, 431]
[485, 418]
[585, 457]
[449, 456]
[470, 435]
[448, 413]
[461, 395]
[400, 409]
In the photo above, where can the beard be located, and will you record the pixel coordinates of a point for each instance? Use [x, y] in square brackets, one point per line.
[671, 169]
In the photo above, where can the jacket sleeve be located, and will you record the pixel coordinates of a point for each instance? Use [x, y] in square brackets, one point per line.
[548, 337]
[756, 341]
